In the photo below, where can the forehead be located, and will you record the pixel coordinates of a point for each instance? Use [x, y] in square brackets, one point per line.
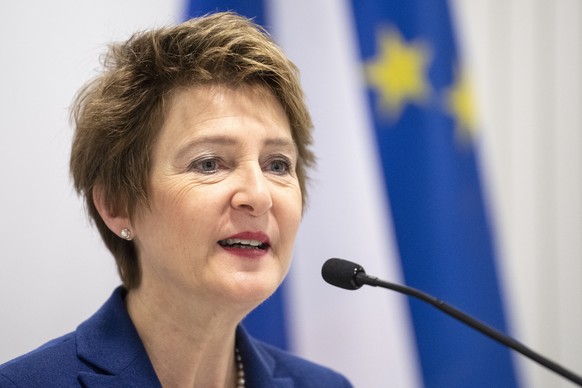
[217, 110]
[200, 103]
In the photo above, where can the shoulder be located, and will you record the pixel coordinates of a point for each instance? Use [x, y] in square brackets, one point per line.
[304, 373]
[53, 364]
[104, 350]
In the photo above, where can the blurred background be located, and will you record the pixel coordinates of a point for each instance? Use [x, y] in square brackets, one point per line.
[523, 59]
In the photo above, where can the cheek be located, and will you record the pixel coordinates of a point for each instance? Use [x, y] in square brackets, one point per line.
[182, 198]
[175, 212]
[290, 214]
[174, 192]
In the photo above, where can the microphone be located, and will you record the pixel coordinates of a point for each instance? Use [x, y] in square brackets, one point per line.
[351, 276]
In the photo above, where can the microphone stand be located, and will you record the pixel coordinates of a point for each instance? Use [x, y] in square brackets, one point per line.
[361, 278]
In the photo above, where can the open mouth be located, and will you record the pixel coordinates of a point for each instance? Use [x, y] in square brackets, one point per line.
[243, 244]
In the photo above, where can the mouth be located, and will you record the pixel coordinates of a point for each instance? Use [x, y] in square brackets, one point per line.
[239, 243]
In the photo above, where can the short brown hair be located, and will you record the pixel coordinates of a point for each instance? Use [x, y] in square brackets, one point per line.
[118, 115]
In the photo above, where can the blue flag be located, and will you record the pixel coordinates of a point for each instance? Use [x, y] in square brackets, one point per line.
[424, 124]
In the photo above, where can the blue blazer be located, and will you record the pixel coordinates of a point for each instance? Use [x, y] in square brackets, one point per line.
[106, 351]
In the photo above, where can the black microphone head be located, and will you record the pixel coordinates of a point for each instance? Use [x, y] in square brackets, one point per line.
[341, 273]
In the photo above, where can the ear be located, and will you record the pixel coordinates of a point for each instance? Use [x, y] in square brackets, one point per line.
[118, 222]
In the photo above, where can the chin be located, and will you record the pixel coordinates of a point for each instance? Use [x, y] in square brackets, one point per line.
[254, 288]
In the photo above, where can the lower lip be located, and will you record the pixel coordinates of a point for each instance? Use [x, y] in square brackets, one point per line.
[249, 253]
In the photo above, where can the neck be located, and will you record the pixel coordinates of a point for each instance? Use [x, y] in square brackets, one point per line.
[188, 345]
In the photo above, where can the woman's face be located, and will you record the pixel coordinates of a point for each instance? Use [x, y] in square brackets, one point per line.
[224, 199]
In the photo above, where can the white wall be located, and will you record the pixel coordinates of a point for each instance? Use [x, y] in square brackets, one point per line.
[525, 57]
[54, 270]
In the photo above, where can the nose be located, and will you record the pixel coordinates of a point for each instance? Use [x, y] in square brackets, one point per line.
[252, 192]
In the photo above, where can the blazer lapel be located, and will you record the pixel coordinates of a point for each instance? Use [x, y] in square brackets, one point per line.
[133, 376]
[130, 379]
[110, 347]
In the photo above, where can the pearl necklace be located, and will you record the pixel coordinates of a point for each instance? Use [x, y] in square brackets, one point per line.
[240, 371]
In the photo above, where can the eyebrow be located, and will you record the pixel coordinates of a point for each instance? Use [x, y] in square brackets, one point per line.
[211, 139]
[281, 142]
[230, 141]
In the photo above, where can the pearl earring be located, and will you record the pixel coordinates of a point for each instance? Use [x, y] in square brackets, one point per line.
[125, 234]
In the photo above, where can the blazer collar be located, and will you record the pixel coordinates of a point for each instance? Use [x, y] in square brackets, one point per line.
[109, 344]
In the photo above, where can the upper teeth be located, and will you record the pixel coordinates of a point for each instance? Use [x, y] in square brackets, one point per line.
[232, 241]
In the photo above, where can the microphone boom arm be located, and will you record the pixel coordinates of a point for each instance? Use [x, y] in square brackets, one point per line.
[361, 278]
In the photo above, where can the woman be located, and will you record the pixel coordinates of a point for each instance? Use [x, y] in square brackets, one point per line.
[191, 150]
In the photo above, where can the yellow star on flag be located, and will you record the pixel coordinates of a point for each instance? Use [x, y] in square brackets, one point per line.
[460, 104]
[398, 72]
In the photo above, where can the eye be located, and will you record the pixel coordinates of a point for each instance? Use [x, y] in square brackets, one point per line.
[205, 166]
[280, 166]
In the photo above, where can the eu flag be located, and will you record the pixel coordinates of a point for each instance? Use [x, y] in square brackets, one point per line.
[424, 124]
